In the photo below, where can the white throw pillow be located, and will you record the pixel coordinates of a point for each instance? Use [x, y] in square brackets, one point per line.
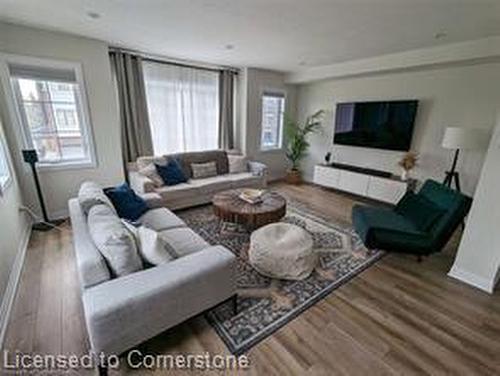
[204, 170]
[113, 240]
[237, 164]
[91, 194]
[151, 246]
[150, 172]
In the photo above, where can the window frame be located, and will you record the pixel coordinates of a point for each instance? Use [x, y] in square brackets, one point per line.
[17, 115]
[5, 183]
[277, 93]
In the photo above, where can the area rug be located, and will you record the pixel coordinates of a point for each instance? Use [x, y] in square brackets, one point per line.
[266, 304]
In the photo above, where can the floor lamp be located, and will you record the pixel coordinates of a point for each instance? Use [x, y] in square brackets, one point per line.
[457, 139]
[31, 157]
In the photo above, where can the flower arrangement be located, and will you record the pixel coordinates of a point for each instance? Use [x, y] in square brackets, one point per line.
[407, 163]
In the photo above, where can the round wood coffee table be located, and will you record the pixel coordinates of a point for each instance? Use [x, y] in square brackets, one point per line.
[230, 208]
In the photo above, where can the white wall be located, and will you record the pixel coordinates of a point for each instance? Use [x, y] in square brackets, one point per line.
[59, 186]
[466, 96]
[253, 82]
[14, 230]
[478, 257]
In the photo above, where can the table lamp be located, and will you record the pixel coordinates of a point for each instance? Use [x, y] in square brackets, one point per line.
[457, 139]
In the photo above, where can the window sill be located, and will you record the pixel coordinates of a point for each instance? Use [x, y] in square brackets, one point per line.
[65, 166]
[272, 150]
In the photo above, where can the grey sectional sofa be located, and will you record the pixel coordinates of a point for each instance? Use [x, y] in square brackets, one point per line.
[196, 191]
[122, 312]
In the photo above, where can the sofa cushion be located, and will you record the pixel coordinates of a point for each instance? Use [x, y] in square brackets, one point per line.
[186, 159]
[91, 194]
[212, 185]
[171, 173]
[237, 164]
[245, 179]
[127, 204]
[183, 241]
[113, 240]
[161, 219]
[203, 170]
[178, 192]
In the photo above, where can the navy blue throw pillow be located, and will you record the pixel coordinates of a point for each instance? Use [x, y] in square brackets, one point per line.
[171, 173]
[127, 204]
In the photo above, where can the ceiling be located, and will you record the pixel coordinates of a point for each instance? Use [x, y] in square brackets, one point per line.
[285, 35]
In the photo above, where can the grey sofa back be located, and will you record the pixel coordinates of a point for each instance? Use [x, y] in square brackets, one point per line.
[185, 159]
[92, 268]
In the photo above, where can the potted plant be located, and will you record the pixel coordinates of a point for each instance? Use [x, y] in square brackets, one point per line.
[407, 163]
[297, 145]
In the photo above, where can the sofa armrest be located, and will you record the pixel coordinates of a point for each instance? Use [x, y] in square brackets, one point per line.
[126, 311]
[258, 168]
[139, 183]
[153, 200]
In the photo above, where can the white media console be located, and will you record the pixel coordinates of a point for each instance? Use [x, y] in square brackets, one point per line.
[361, 183]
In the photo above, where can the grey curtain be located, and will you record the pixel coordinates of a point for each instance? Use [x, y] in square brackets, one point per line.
[226, 110]
[135, 131]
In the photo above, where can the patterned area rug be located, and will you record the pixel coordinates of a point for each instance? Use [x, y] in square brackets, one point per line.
[266, 304]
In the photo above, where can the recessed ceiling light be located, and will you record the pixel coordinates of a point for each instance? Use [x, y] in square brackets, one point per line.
[229, 46]
[440, 35]
[93, 15]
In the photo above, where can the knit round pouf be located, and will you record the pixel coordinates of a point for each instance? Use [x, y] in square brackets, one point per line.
[282, 250]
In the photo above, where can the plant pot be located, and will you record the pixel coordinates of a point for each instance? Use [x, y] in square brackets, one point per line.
[294, 177]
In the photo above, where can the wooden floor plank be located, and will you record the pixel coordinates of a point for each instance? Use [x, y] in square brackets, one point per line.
[397, 317]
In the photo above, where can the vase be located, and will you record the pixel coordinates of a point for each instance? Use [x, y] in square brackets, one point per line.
[294, 177]
[404, 174]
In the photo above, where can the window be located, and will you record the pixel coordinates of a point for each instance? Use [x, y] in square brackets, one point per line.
[273, 108]
[4, 167]
[53, 116]
[183, 107]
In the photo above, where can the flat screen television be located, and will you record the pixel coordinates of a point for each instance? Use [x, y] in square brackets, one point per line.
[381, 125]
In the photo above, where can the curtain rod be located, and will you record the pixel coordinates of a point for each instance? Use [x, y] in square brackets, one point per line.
[176, 62]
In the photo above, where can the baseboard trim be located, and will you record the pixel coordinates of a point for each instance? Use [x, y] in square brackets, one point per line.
[472, 279]
[14, 277]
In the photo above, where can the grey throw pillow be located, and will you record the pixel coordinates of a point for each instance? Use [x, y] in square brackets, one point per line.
[113, 240]
[91, 194]
[204, 170]
[237, 164]
[151, 246]
[150, 172]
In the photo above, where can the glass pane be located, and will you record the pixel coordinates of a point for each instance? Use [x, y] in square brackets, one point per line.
[272, 118]
[52, 117]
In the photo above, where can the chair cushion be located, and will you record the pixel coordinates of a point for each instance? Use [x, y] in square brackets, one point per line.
[91, 194]
[213, 184]
[385, 229]
[127, 204]
[113, 240]
[171, 173]
[203, 170]
[160, 219]
[419, 210]
[183, 241]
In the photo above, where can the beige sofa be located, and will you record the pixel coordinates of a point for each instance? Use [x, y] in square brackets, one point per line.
[196, 191]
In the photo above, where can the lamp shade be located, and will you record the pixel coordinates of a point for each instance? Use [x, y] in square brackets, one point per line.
[464, 138]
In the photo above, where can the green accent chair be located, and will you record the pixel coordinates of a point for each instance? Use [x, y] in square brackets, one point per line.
[420, 223]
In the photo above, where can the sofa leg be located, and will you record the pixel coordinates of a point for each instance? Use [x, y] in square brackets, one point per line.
[234, 302]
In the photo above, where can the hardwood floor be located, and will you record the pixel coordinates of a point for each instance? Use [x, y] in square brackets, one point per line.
[397, 317]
